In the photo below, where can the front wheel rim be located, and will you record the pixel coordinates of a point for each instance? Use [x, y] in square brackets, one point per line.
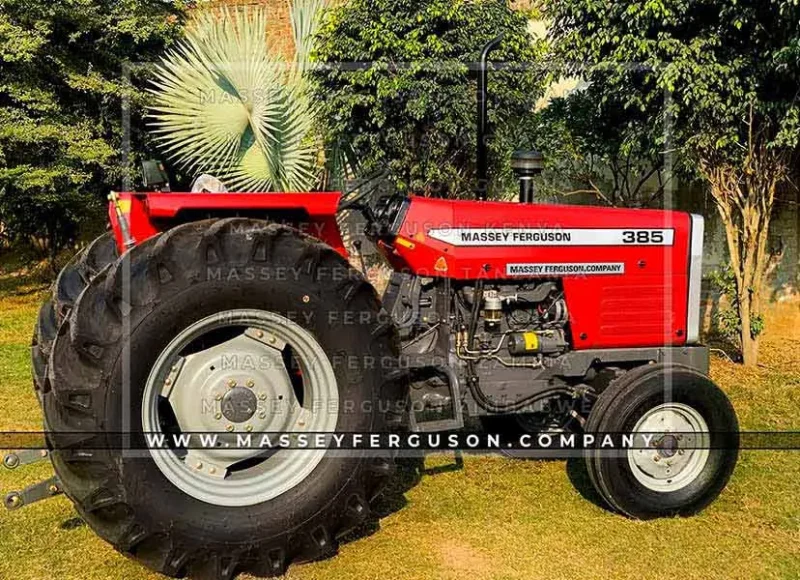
[679, 450]
[239, 398]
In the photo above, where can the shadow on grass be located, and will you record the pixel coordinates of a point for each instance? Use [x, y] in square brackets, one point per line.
[579, 478]
[407, 475]
[72, 524]
[410, 471]
[575, 468]
[22, 281]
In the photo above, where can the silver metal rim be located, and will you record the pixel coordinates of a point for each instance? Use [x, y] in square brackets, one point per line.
[213, 389]
[679, 449]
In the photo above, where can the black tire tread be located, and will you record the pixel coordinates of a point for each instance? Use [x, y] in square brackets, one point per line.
[598, 413]
[80, 360]
[69, 284]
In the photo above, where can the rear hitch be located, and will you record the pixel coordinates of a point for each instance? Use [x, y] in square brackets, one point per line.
[33, 493]
[24, 457]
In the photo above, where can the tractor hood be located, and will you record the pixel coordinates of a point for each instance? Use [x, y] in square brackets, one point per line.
[630, 276]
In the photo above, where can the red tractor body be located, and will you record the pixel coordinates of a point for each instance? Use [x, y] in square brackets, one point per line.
[147, 214]
[627, 274]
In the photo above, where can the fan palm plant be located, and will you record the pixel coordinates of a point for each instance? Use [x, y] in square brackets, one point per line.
[226, 103]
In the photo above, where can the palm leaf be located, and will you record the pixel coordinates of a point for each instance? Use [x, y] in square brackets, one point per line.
[223, 103]
[305, 17]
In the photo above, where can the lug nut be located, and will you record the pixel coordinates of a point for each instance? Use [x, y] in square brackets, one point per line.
[212, 470]
[218, 416]
[218, 396]
[251, 383]
[306, 298]
[681, 452]
[53, 489]
[11, 460]
[168, 382]
[14, 501]
[232, 383]
[199, 465]
[262, 415]
[656, 458]
[248, 428]
[229, 427]
[272, 340]
[260, 333]
[262, 397]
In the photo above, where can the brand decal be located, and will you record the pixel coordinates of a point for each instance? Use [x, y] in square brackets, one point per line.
[553, 236]
[565, 269]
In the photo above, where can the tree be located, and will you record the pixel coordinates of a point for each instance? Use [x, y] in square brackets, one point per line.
[718, 82]
[62, 85]
[593, 145]
[226, 103]
[395, 84]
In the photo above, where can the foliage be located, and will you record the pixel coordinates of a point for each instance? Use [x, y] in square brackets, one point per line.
[62, 85]
[592, 144]
[395, 86]
[697, 64]
[726, 319]
[226, 103]
[716, 81]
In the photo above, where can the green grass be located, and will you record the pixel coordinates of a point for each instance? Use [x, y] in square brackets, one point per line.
[495, 518]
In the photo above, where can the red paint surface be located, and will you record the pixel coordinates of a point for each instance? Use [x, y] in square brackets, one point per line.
[151, 213]
[645, 306]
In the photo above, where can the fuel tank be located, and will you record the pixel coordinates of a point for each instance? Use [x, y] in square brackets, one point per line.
[630, 277]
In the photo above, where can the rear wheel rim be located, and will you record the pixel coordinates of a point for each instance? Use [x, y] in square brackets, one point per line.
[679, 447]
[237, 388]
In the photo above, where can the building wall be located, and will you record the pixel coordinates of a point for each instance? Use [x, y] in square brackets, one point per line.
[279, 28]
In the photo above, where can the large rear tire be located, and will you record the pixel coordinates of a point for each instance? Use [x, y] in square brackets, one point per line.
[694, 445]
[117, 342]
[72, 280]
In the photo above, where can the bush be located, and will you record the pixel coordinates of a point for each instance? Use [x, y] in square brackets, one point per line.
[396, 88]
[61, 105]
[727, 321]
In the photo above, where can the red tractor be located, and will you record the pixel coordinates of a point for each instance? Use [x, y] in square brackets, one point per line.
[240, 313]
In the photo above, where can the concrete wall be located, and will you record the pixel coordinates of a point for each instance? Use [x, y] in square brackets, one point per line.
[784, 233]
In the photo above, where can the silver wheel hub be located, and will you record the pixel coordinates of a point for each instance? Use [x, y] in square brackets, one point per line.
[678, 451]
[237, 387]
[239, 405]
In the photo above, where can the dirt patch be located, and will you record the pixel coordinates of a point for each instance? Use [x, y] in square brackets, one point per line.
[463, 560]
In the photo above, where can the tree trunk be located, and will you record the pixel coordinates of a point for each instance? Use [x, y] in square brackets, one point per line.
[744, 196]
[748, 341]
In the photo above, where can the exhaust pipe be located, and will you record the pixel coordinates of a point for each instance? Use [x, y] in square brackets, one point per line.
[483, 121]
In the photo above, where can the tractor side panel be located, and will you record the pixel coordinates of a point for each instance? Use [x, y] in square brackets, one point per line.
[146, 214]
[625, 273]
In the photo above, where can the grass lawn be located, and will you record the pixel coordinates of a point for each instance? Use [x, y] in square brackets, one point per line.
[493, 518]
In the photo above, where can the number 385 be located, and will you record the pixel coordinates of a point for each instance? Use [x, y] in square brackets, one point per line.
[643, 237]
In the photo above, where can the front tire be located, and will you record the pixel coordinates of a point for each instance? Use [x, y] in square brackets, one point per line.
[694, 446]
[112, 345]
